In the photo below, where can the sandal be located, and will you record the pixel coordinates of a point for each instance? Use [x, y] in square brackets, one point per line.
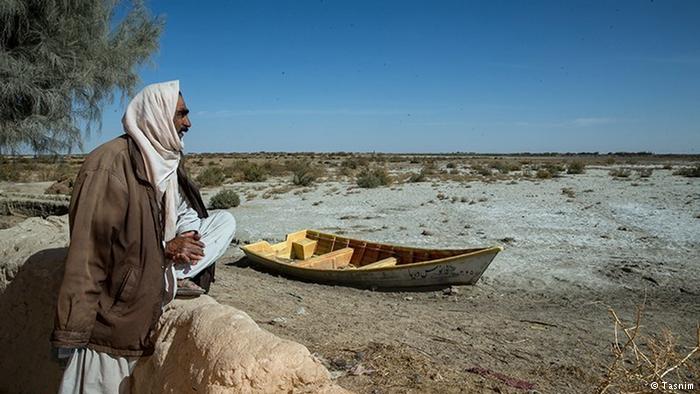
[188, 289]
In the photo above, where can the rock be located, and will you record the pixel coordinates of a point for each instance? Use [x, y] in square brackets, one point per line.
[450, 291]
[301, 311]
[64, 186]
[360, 369]
[278, 321]
[213, 348]
[30, 273]
[426, 233]
[409, 298]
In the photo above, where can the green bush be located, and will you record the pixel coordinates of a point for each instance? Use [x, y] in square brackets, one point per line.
[576, 167]
[224, 199]
[211, 176]
[371, 178]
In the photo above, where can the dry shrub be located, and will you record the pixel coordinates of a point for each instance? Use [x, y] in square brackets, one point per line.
[430, 167]
[420, 177]
[620, 173]
[576, 167]
[354, 163]
[35, 170]
[505, 167]
[10, 171]
[642, 360]
[245, 171]
[543, 173]
[481, 170]
[303, 172]
[644, 172]
[690, 172]
[371, 178]
[275, 168]
[554, 168]
[211, 176]
[277, 191]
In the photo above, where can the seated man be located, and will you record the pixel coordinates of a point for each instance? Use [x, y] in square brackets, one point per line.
[133, 213]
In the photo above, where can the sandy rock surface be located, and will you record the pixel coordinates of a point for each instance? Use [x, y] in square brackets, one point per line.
[18, 243]
[30, 275]
[212, 348]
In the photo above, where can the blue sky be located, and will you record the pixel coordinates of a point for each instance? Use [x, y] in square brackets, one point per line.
[431, 76]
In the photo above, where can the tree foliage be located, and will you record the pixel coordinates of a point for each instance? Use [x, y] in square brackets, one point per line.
[61, 61]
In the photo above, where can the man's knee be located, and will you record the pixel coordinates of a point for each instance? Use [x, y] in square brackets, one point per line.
[225, 220]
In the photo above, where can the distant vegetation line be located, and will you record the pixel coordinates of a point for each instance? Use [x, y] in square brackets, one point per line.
[417, 154]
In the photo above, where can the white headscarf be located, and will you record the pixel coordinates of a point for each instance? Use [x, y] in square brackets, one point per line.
[149, 121]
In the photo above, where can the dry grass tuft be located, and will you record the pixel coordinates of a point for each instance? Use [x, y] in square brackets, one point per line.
[642, 361]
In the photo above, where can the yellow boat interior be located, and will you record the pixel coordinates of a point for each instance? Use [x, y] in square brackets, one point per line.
[316, 250]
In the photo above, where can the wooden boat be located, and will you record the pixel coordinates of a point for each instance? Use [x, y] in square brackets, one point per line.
[326, 258]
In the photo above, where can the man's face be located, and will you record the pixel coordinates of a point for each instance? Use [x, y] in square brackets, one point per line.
[181, 120]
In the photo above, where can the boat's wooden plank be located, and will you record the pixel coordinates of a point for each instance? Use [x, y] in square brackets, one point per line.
[359, 253]
[387, 262]
[336, 259]
[303, 249]
[260, 247]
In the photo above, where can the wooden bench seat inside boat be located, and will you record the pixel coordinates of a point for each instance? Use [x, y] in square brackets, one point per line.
[303, 249]
[333, 260]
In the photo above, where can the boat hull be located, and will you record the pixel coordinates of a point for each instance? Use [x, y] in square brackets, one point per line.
[457, 270]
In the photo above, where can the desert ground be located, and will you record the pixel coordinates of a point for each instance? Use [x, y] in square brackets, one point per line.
[622, 235]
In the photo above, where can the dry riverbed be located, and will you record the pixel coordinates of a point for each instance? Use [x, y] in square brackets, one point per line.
[575, 246]
[538, 319]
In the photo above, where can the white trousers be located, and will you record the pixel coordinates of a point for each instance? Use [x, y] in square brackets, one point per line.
[90, 372]
[217, 231]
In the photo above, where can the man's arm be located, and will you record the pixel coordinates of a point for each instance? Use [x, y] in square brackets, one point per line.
[98, 209]
[186, 247]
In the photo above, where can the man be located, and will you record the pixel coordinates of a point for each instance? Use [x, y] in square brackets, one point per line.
[136, 224]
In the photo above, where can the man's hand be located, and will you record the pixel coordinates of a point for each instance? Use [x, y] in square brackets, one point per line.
[185, 248]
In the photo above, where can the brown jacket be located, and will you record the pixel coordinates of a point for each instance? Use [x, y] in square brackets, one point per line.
[113, 286]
